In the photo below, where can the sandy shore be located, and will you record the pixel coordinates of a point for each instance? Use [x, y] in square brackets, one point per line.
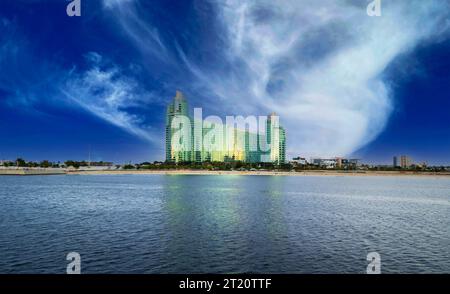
[259, 173]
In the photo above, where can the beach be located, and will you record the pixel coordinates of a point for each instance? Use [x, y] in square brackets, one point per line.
[329, 173]
[259, 173]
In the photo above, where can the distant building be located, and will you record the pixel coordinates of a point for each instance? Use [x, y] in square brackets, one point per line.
[405, 162]
[324, 162]
[337, 162]
[101, 163]
[396, 162]
[402, 162]
[299, 161]
[353, 163]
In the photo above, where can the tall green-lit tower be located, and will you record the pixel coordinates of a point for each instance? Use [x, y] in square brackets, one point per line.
[276, 137]
[178, 107]
[282, 146]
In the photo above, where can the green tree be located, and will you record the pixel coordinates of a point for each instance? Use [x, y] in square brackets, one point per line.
[45, 164]
[20, 162]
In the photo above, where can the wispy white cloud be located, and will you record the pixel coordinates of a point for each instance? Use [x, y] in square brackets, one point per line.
[104, 89]
[115, 3]
[107, 93]
[319, 64]
[127, 13]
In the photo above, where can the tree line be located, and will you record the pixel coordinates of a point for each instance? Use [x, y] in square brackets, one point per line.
[211, 166]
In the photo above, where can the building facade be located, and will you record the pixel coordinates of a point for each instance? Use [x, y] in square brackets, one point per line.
[194, 140]
[396, 162]
[338, 162]
[177, 109]
[403, 162]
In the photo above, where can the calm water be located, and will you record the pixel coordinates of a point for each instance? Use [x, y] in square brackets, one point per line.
[224, 224]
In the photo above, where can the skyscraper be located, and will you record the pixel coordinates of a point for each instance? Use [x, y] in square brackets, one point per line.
[405, 161]
[402, 161]
[276, 138]
[395, 162]
[282, 147]
[177, 109]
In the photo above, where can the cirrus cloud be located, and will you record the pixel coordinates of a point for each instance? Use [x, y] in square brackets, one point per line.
[318, 64]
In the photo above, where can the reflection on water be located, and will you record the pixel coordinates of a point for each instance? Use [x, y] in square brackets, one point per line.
[224, 224]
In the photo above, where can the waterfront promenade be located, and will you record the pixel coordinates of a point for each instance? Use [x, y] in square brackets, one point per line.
[261, 173]
[31, 171]
[62, 171]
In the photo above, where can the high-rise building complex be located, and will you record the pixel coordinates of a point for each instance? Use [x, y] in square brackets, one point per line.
[402, 161]
[405, 161]
[194, 140]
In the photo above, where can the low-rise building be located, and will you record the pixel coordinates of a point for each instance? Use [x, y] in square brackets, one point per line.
[299, 161]
[338, 162]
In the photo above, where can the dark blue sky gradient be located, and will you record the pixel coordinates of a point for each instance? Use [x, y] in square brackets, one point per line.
[420, 123]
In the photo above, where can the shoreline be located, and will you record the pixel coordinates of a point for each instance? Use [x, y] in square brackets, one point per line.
[261, 173]
[329, 173]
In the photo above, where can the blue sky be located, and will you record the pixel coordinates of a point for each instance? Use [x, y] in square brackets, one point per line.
[343, 83]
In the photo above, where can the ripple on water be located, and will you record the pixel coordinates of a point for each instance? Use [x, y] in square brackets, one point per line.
[201, 224]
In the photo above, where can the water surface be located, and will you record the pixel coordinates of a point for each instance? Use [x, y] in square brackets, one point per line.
[224, 224]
